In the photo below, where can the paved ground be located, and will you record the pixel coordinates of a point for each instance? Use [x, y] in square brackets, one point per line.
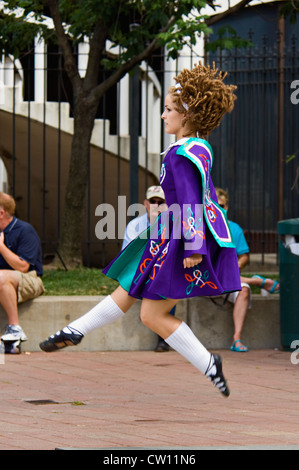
[148, 400]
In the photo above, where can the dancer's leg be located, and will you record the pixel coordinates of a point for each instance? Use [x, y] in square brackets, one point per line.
[110, 309]
[155, 315]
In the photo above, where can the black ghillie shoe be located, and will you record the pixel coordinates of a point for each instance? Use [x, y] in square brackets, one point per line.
[218, 378]
[60, 340]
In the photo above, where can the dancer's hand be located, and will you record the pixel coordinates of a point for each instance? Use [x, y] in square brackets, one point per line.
[193, 260]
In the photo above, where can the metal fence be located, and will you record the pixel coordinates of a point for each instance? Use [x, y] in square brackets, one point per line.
[255, 144]
[256, 148]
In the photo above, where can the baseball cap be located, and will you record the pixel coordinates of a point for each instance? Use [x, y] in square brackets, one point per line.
[155, 191]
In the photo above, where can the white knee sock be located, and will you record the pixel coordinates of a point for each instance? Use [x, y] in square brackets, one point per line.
[185, 342]
[105, 312]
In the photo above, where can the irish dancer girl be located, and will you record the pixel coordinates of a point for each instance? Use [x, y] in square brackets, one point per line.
[188, 251]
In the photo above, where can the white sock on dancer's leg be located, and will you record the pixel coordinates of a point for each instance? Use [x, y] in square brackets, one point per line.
[105, 312]
[185, 342]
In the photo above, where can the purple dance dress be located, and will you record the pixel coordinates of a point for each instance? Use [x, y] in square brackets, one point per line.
[151, 266]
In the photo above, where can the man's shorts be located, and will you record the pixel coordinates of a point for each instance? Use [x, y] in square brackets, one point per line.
[30, 286]
[232, 297]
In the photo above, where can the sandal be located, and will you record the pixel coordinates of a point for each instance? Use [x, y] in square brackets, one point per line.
[240, 348]
[272, 290]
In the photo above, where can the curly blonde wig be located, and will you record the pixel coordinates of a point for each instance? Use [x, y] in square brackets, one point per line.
[202, 96]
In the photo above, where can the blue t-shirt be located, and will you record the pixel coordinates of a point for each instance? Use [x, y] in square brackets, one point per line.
[21, 238]
[239, 238]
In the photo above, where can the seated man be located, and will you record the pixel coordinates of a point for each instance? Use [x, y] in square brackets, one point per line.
[154, 203]
[20, 268]
[242, 299]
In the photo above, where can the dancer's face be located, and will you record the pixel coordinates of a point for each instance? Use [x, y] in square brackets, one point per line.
[173, 120]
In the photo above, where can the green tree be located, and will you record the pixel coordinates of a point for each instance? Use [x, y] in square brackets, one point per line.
[137, 27]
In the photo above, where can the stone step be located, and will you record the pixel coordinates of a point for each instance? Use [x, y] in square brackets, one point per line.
[211, 323]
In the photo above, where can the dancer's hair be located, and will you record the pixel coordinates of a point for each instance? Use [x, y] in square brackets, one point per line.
[202, 96]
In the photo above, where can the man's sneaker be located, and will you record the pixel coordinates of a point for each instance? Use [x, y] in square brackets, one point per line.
[217, 376]
[13, 333]
[60, 340]
[12, 347]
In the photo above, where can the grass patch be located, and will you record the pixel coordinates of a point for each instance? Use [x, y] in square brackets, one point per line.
[81, 281]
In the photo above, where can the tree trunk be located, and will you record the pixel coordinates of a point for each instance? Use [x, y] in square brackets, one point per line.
[70, 243]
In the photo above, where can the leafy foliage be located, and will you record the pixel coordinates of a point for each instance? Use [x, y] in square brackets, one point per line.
[290, 9]
[128, 25]
[16, 34]
[227, 39]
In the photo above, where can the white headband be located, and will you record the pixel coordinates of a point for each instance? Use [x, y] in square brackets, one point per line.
[178, 88]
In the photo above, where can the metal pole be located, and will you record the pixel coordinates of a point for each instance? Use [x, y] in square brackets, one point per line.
[134, 134]
[281, 25]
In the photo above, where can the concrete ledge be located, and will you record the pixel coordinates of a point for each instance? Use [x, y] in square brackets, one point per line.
[212, 324]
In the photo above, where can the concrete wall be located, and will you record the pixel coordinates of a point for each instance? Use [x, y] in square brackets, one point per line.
[212, 324]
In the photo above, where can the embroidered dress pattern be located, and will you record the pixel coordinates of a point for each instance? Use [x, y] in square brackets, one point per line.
[154, 249]
[200, 153]
[162, 173]
[192, 227]
[200, 280]
[151, 266]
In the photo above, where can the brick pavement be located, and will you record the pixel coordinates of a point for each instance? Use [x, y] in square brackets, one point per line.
[143, 399]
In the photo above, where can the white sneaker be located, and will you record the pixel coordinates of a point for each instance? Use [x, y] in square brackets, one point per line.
[13, 333]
